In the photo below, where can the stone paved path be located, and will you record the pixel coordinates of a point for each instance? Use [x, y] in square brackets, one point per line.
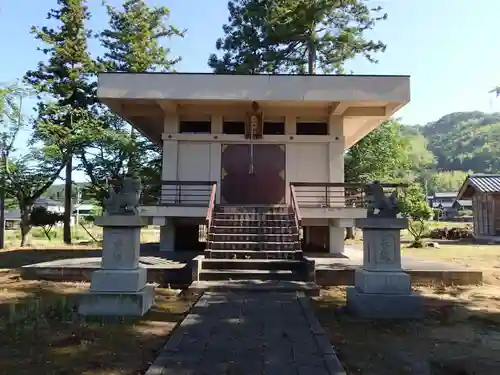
[247, 334]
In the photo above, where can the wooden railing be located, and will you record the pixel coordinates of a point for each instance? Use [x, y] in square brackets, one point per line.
[295, 207]
[333, 194]
[177, 193]
[211, 206]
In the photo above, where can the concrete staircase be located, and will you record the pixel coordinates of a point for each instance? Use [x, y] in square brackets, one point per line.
[254, 243]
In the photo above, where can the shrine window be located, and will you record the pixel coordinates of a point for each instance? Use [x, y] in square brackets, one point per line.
[312, 128]
[274, 128]
[203, 127]
[233, 127]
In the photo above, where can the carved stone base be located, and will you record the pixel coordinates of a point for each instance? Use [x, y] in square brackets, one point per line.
[382, 282]
[117, 304]
[118, 280]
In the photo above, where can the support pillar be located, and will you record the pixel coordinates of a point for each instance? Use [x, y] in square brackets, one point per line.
[336, 245]
[167, 236]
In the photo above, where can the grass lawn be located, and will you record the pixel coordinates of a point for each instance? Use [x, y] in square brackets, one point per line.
[485, 258]
[80, 236]
[40, 332]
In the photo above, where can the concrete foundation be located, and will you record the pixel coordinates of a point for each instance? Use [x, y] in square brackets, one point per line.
[336, 235]
[167, 236]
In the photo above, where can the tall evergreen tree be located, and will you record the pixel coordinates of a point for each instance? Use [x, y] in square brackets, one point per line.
[65, 78]
[133, 42]
[296, 36]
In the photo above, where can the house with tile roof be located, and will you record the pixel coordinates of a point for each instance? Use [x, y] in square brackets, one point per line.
[484, 191]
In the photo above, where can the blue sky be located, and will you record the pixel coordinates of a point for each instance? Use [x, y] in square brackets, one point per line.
[450, 48]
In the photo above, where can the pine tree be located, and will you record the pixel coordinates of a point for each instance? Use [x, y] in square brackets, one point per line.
[296, 36]
[65, 77]
[133, 39]
[133, 42]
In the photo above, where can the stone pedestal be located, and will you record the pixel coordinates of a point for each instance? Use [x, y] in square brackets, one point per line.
[381, 289]
[119, 287]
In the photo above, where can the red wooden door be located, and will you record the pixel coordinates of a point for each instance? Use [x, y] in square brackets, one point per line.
[264, 184]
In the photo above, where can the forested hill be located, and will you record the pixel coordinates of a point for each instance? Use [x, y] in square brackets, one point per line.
[463, 141]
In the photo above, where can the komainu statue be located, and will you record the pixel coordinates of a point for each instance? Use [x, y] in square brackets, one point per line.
[380, 205]
[126, 200]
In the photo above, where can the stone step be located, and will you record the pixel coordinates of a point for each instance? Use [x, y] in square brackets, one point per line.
[252, 223]
[253, 209]
[253, 254]
[252, 245]
[255, 286]
[259, 264]
[253, 230]
[249, 274]
[246, 237]
[254, 216]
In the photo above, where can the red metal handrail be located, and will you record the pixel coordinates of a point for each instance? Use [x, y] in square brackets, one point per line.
[295, 207]
[211, 205]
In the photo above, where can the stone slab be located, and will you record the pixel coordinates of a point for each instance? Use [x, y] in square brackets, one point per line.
[121, 221]
[381, 223]
[117, 304]
[382, 282]
[255, 286]
[121, 247]
[384, 306]
[119, 280]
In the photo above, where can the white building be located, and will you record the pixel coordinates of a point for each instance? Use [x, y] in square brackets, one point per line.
[302, 127]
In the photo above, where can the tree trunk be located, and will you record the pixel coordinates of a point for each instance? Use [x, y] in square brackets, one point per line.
[25, 223]
[349, 233]
[2, 207]
[68, 187]
[311, 54]
[132, 162]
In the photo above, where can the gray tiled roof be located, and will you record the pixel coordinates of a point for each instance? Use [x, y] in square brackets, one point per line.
[446, 194]
[12, 215]
[485, 183]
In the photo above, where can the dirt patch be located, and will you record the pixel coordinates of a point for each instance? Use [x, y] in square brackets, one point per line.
[41, 333]
[460, 334]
